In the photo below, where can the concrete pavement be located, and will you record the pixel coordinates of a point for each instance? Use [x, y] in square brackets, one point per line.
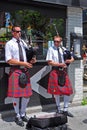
[78, 122]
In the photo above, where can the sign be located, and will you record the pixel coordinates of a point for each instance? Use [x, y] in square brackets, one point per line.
[78, 30]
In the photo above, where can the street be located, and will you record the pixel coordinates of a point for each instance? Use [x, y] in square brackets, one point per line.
[78, 122]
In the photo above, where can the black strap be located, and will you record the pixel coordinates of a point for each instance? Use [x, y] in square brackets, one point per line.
[20, 51]
[59, 55]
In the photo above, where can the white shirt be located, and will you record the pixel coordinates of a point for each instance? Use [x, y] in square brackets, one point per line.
[12, 49]
[52, 54]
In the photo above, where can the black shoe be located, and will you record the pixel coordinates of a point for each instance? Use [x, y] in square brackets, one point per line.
[68, 114]
[59, 112]
[19, 121]
[25, 118]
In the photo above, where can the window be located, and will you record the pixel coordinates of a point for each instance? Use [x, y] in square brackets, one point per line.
[38, 29]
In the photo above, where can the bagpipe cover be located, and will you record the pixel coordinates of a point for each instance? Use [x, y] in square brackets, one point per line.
[30, 53]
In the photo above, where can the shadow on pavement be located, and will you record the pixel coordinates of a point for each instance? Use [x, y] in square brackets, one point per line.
[8, 119]
[85, 121]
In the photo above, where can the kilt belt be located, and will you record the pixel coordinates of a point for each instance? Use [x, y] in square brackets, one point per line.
[59, 68]
[22, 68]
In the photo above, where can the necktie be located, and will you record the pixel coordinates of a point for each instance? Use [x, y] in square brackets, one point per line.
[20, 51]
[59, 56]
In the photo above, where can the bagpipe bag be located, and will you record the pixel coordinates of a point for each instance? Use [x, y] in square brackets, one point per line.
[30, 53]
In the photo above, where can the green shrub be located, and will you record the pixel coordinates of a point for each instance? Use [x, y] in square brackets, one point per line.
[84, 101]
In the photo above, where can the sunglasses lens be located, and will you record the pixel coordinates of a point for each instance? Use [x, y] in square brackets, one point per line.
[57, 41]
[17, 31]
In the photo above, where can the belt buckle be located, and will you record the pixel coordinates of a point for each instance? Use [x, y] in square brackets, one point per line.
[22, 67]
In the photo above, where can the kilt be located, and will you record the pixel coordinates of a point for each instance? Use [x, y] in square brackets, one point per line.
[55, 88]
[14, 90]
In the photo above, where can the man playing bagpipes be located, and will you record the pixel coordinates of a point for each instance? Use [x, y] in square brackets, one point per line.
[59, 82]
[15, 55]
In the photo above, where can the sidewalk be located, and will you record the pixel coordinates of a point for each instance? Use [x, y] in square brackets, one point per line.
[78, 122]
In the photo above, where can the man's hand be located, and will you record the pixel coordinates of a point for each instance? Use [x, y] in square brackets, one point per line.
[62, 65]
[33, 60]
[28, 65]
[69, 60]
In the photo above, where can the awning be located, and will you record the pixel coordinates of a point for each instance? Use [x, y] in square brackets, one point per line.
[14, 4]
[75, 3]
[48, 9]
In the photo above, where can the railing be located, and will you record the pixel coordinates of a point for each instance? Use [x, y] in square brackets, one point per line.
[39, 62]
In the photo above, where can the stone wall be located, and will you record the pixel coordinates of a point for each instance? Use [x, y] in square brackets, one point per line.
[73, 22]
[76, 76]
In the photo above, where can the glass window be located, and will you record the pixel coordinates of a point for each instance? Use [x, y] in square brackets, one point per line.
[37, 29]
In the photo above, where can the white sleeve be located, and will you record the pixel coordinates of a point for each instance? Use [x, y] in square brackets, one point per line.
[8, 55]
[49, 54]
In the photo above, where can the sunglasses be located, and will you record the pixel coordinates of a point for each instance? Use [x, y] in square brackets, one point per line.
[57, 41]
[17, 31]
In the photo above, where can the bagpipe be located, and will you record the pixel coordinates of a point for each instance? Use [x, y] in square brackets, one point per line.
[30, 53]
[66, 54]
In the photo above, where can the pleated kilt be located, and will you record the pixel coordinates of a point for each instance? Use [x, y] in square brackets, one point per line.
[14, 90]
[55, 88]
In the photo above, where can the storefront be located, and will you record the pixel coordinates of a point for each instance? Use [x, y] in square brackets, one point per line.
[68, 12]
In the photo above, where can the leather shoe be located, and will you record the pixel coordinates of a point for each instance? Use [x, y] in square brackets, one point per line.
[25, 118]
[19, 121]
[67, 113]
[59, 112]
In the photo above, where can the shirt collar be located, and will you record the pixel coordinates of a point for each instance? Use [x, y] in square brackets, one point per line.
[56, 47]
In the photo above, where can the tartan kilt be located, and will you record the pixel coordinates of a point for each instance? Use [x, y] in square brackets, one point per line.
[55, 88]
[14, 90]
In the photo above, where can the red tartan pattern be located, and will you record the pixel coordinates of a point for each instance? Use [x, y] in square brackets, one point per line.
[14, 90]
[53, 86]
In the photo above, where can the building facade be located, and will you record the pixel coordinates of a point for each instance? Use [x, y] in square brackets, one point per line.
[71, 12]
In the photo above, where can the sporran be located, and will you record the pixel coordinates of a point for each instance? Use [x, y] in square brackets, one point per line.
[23, 80]
[61, 78]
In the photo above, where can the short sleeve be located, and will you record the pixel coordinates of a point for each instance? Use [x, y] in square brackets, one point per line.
[7, 52]
[49, 54]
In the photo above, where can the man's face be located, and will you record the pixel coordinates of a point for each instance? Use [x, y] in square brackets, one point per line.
[16, 32]
[57, 41]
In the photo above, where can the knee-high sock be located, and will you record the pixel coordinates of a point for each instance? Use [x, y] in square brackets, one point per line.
[66, 102]
[57, 100]
[24, 103]
[16, 105]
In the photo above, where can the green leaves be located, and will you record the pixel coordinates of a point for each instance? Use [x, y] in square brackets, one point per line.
[84, 101]
[39, 23]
